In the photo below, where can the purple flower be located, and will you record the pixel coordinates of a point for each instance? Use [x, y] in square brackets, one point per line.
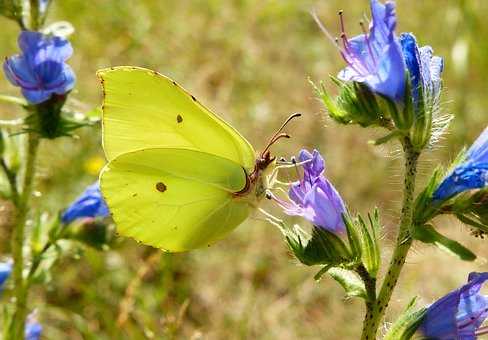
[314, 197]
[424, 69]
[33, 329]
[40, 71]
[375, 57]
[89, 204]
[459, 314]
[472, 173]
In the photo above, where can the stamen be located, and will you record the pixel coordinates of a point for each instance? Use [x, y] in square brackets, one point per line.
[335, 41]
[345, 55]
[294, 161]
[366, 37]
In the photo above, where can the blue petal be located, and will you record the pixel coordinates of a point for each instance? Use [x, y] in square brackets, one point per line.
[478, 152]
[49, 72]
[33, 330]
[390, 77]
[465, 177]
[328, 207]
[315, 165]
[19, 73]
[383, 21]
[458, 314]
[473, 307]
[440, 320]
[36, 96]
[89, 204]
[5, 271]
[411, 55]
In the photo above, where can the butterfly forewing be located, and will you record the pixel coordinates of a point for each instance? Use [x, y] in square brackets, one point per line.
[144, 109]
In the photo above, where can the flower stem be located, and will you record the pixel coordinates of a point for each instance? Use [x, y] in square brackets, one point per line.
[370, 286]
[375, 314]
[17, 243]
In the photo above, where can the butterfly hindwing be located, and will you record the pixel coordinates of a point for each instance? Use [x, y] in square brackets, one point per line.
[174, 199]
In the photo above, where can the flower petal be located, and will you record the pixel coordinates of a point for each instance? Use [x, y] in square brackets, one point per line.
[89, 204]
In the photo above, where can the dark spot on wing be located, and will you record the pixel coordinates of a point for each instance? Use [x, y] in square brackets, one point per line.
[193, 97]
[161, 187]
[179, 119]
[174, 83]
[134, 195]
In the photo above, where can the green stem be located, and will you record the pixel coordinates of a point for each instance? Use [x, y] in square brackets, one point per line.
[17, 242]
[403, 243]
[34, 15]
[370, 286]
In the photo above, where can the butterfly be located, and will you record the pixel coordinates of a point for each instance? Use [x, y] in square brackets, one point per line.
[178, 177]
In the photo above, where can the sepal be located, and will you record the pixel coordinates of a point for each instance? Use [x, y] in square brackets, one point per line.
[407, 323]
[371, 254]
[93, 233]
[321, 247]
[355, 104]
[50, 121]
[472, 209]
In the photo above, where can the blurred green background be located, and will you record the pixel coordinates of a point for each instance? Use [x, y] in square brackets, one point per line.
[248, 60]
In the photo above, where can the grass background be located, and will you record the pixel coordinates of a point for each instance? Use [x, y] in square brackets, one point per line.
[248, 60]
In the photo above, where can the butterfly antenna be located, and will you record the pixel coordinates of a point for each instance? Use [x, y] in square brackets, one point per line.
[278, 134]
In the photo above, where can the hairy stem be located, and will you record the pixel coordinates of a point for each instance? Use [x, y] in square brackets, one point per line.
[403, 243]
[17, 242]
[370, 285]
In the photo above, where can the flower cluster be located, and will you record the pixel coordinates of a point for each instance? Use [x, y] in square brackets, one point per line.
[387, 78]
[41, 70]
[375, 57]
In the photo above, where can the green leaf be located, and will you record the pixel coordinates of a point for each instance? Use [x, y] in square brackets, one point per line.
[428, 234]
[352, 284]
[13, 100]
[388, 137]
[407, 323]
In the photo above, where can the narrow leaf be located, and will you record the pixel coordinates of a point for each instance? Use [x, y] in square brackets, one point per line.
[428, 234]
[407, 323]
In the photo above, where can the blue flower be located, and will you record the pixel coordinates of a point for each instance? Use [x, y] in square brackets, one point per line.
[40, 71]
[33, 329]
[89, 204]
[375, 57]
[314, 197]
[459, 314]
[424, 69]
[472, 173]
[5, 271]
